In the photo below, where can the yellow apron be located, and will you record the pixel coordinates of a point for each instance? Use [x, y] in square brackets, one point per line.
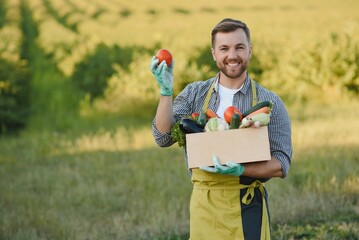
[215, 208]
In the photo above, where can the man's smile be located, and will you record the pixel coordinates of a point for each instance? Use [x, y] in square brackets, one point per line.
[232, 64]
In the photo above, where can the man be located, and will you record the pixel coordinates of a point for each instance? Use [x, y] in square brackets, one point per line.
[228, 201]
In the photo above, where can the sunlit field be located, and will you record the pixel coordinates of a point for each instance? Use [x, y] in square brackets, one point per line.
[86, 167]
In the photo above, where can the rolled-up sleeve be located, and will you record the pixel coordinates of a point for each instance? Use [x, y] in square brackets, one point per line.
[280, 135]
[162, 139]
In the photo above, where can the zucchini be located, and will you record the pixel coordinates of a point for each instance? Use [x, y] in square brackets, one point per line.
[257, 106]
[235, 121]
[202, 119]
[188, 125]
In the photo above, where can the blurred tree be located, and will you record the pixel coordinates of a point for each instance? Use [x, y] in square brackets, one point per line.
[14, 96]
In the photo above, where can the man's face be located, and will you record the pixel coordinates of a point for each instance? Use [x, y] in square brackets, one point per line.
[232, 53]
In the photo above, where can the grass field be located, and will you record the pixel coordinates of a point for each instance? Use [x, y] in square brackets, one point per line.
[116, 184]
[87, 171]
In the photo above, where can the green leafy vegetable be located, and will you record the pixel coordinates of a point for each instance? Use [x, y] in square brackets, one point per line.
[178, 135]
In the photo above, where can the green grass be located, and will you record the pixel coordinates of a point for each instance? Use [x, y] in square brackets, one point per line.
[116, 184]
[90, 195]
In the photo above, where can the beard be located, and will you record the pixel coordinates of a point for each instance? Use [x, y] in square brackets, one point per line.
[233, 73]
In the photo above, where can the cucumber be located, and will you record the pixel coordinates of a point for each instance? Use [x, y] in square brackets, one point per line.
[235, 121]
[256, 107]
[202, 119]
[190, 126]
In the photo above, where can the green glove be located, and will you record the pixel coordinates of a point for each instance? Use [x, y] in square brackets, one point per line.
[231, 168]
[163, 75]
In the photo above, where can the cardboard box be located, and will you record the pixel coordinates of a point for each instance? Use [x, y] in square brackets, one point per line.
[236, 145]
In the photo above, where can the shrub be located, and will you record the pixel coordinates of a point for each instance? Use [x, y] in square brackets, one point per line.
[30, 31]
[3, 10]
[14, 96]
[320, 70]
[92, 73]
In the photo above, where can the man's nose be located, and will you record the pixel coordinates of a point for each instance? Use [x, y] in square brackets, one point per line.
[232, 53]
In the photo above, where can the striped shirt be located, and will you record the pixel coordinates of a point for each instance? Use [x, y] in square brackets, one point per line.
[192, 98]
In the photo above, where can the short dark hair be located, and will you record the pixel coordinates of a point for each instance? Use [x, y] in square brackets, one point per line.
[230, 25]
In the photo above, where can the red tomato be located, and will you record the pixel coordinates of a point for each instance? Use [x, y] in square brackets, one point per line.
[228, 114]
[195, 115]
[164, 54]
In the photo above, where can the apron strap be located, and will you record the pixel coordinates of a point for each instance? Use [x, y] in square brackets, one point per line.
[208, 97]
[209, 93]
[254, 93]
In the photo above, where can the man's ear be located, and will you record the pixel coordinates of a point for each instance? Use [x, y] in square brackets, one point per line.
[214, 57]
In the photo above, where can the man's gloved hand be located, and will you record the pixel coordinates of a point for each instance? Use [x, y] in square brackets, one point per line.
[163, 75]
[231, 168]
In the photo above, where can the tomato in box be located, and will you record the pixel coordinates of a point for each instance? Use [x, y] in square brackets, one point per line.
[229, 112]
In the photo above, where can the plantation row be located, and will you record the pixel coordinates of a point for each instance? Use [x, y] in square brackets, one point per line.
[69, 13]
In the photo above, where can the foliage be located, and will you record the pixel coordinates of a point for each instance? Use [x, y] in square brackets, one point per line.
[178, 135]
[125, 13]
[203, 60]
[30, 31]
[92, 73]
[14, 96]
[3, 10]
[15, 77]
[328, 69]
[63, 20]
